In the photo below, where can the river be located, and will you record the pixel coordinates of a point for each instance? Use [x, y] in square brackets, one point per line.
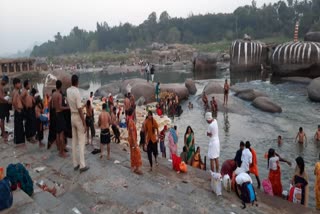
[258, 127]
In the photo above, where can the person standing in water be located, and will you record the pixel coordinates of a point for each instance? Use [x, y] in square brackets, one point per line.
[301, 136]
[226, 88]
[317, 135]
[214, 143]
[152, 72]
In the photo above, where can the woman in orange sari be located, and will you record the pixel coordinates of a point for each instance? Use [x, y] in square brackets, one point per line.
[135, 155]
[275, 172]
[254, 166]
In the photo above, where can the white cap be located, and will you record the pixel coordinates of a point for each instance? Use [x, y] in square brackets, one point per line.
[208, 116]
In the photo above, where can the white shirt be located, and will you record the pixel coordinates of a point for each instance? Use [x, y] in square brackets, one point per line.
[246, 159]
[273, 163]
[74, 99]
[213, 129]
[242, 178]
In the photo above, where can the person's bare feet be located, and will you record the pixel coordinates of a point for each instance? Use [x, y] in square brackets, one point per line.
[108, 157]
[63, 155]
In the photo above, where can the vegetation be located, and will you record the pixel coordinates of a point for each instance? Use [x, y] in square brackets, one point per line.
[270, 20]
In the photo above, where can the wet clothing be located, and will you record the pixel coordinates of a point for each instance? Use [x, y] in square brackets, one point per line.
[39, 125]
[19, 134]
[90, 124]
[3, 110]
[303, 184]
[52, 127]
[135, 155]
[105, 136]
[30, 124]
[317, 184]
[60, 122]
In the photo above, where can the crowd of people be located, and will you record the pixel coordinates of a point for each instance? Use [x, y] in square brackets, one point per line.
[64, 116]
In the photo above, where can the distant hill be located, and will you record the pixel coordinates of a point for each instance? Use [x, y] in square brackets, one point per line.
[270, 20]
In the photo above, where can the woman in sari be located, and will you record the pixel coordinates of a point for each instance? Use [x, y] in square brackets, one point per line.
[173, 140]
[189, 142]
[317, 184]
[275, 172]
[196, 160]
[300, 179]
[135, 155]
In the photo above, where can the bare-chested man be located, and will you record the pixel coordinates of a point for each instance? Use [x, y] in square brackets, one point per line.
[301, 136]
[317, 135]
[3, 107]
[127, 104]
[19, 135]
[226, 88]
[60, 119]
[29, 112]
[115, 123]
[104, 124]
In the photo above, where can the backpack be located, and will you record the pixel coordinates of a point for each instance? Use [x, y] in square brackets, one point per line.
[248, 194]
[6, 197]
[18, 175]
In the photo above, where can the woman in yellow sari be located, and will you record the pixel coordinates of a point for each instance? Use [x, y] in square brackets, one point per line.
[135, 155]
[189, 142]
[317, 184]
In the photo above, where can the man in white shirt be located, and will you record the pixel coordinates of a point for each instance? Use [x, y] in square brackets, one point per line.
[246, 158]
[78, 124]
[214, 143]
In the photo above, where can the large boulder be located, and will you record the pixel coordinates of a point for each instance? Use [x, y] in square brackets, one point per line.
[301, 80]
[139, 88]
[180, 89]
[205, 61]
[105, 90]
[265, 104]
[249, 94]
[50, 82]
[213, 87]
[296, 59]
[314, 90]
[312, 36]
[191, 86]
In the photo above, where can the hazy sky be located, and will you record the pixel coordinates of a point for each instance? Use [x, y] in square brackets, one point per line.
[24, 22]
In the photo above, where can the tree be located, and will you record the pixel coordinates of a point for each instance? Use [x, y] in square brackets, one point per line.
[173, 35]
[93, 46]
[164, 17]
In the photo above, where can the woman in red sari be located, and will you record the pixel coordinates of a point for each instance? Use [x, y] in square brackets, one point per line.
[135, 155]
[275, 172]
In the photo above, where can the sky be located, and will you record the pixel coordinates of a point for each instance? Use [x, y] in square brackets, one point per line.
[24, 23]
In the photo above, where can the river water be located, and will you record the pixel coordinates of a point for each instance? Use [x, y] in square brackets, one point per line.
[260, 128]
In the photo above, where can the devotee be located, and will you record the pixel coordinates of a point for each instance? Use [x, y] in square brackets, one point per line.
[246, 158]
[152, 132]
[19, 134]
[317, 135]
[317, 184]
[162, 138]
[52, 127]
[104, 124]
[3, 107]
[275, 172]
[157, 91]
[184, 154]
[237, 158]
[39, 125]
[135, 155]
[254, 165]
[90, 121]
[173, 140]
[301, 136]
[196, 160]
[61, 125]
[300, 179]
[214, 143]
[114, 126]
[226, 88]
[189, 142]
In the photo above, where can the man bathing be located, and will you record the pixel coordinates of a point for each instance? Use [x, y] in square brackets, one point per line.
[301, 136]
[317, 135]
[60, 120]
[104, 124]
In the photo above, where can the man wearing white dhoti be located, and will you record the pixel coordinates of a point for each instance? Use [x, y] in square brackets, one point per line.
[214, 143]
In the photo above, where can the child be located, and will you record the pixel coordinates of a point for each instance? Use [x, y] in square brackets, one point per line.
[162, 137]
[279, 140]
[39, 124]
[317, 135]
[301, 136]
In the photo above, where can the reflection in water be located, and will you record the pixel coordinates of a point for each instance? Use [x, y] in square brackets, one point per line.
[244, 76]
[226, 122]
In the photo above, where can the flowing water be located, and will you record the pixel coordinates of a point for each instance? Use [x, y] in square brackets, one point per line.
[260, 128]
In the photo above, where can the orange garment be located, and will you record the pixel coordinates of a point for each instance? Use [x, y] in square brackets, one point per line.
[196, 160]
[135, 155]
[254, 166]
[317, 184]
[45, 102]
[275, 179]
[150, 127]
